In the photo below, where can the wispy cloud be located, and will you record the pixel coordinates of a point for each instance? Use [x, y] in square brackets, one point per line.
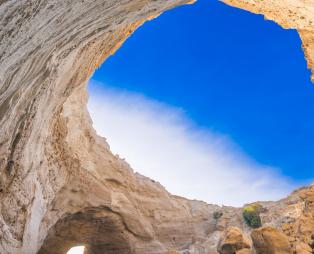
[160, 142]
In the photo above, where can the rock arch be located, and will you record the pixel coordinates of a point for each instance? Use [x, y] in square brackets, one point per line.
[53, 166]
[98, 229]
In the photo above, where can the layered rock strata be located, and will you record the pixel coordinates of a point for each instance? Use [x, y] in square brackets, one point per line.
[60, 185]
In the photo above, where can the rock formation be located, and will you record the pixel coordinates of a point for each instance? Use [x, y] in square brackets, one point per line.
[234, 241]
[270, 240]
[60, 185]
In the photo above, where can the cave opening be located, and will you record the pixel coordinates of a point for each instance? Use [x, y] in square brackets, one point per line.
[90, 231]
[76, 250]
[61, 187]
[209, 74]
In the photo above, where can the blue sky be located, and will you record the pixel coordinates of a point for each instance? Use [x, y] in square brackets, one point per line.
[231, 74]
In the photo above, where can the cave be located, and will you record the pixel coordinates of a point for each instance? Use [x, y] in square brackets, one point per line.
[57, 174]
[98, 230]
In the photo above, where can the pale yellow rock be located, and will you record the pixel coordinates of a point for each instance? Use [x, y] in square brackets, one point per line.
[172, 252]
[302, 248]
[233, 241]
[271, 241]
[59, 183]
[244, 251]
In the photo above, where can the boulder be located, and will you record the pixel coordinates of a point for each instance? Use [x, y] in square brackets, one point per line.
[233, 242]
[268, 240]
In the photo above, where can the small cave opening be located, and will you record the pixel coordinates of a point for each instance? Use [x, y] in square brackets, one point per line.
[76, 250]
[90, 231]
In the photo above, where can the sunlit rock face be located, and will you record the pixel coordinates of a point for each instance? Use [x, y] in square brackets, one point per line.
[60, 186]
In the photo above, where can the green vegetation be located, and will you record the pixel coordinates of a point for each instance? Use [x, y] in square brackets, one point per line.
[251, 215]
[217, 215]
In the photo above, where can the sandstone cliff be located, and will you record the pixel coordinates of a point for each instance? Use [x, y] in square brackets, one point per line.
[59, 183]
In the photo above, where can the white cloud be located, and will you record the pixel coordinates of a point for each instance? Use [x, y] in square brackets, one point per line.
[160, 142]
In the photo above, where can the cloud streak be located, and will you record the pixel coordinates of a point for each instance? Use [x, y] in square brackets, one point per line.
[160, 142]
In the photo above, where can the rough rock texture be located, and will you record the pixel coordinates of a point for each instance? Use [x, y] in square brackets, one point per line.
[59, 183]
[234, 242]
[270, 240]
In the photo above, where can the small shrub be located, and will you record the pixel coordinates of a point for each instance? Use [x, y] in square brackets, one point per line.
[217, 215]
[251, 215]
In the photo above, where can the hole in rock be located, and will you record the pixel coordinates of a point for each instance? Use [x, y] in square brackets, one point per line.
[213, 102]
[92, 230]
[76, 250]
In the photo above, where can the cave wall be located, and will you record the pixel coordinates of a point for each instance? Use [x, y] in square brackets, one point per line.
[54, 169]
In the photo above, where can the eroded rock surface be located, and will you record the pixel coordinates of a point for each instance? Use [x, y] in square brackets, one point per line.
[59, 183]
[234, 242]
[270, 240]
